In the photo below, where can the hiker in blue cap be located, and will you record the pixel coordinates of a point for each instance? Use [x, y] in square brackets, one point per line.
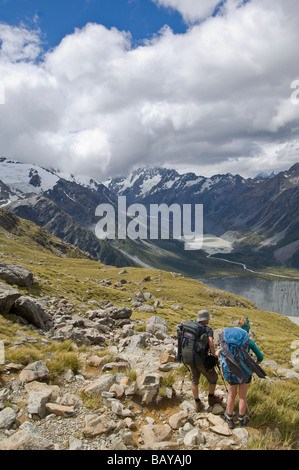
[238, 366]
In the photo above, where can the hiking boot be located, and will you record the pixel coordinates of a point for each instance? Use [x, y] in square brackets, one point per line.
[229, 419]
[213, 399]
[198, 405]
[243, 421]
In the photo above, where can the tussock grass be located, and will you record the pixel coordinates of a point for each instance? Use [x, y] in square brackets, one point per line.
[92, 403]
[275, 403]
[77, 278]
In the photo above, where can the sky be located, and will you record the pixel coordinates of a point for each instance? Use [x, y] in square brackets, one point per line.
[101, 87]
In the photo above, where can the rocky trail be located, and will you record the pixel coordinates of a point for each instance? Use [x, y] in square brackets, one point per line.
[128, 393]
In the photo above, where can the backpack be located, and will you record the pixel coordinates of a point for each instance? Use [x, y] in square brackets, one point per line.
[192, 343]
[236, 363]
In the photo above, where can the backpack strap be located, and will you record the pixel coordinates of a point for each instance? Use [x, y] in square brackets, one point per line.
[254, 366]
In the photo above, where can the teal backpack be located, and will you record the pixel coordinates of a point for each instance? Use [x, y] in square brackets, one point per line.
[236, 363]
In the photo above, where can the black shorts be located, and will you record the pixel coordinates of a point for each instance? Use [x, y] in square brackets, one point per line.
[237, 383]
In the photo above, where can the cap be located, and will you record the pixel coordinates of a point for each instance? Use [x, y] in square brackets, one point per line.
[203, 315]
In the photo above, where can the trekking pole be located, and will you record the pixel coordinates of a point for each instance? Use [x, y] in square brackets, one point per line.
[222, 376]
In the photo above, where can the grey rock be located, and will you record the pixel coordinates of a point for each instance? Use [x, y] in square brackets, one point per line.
[148, 387]
[7, 418]
[8, 296]
[37, 402]
[36, 370]
[103, 383]
[14, 274]
[26, 440]
[33, 312]
[156, 325]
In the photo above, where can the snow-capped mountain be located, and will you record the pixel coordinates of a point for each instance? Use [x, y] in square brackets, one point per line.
[63, 204]
[262, 213]
[264, 174]
[148, 184]
[30, 178]
[267, 208]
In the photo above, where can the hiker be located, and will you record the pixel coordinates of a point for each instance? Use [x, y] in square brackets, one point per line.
[238, 366]
[198, 360]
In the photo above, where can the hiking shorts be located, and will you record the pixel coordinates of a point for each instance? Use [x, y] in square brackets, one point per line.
[231, 382]
[211, 375]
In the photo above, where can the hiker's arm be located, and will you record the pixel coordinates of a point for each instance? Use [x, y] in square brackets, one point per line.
[256, 351]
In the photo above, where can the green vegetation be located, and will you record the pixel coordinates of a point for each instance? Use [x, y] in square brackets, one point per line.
[61, 270]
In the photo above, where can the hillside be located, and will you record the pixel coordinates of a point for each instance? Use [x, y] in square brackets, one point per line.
[252, 221]
[78, 377]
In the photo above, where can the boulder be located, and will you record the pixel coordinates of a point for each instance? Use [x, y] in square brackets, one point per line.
[156, 325]
[119, 313]
[14, 274]
[8, 296]
[33, 312]
[194, 438]
[60, 410]
[101, 384]
[295, 359]
[148, 387]
[178, 420]
[119, 409]
[146, 308]
[37, 402]
[97, 425]
[156, 433]
[36, 370]
[26, 440]
[7, 418]
[93, 337]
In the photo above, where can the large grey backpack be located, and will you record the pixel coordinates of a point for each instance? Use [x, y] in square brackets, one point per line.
[192, 343]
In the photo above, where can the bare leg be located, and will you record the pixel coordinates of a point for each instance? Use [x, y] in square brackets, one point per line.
[232, 393]
[194, 389]
[243, 398]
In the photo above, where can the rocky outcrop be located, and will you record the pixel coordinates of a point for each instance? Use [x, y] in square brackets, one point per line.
[8, 296]
[33, 312]
[14, 274]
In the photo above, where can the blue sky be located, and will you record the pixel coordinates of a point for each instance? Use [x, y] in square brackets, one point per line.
[56, 18]
[89, 87]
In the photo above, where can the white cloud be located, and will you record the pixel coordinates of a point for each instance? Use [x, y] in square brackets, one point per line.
[18, 43]
[191, 10]
[214, 99]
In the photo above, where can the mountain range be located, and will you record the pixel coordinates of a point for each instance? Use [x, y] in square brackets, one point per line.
[260, 215]
[254, 220]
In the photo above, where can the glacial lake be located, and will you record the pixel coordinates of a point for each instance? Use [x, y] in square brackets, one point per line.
[273, 296]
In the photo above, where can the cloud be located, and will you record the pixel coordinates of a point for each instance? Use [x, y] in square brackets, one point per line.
[191, 10]
[215, 99]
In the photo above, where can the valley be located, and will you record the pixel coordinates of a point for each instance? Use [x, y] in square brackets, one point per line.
[250, 226]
